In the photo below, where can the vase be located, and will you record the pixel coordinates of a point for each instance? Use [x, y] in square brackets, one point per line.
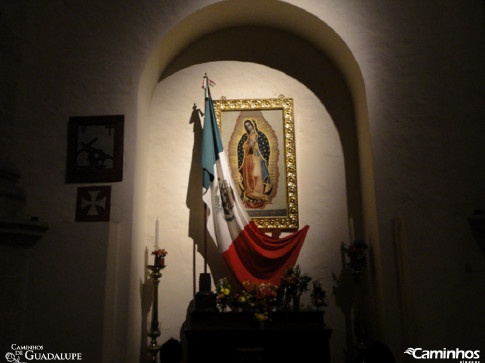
[296, 302]
[160, 261]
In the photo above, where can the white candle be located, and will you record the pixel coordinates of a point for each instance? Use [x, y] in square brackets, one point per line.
[156, 234]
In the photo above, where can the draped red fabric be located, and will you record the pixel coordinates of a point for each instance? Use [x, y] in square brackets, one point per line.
[255, 257]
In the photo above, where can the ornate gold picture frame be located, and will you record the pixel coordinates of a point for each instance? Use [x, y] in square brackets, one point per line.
[259, 138]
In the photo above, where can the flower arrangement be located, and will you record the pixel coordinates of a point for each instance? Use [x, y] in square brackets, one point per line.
[160, 257]
[160, 252]
[294, 284]
[356, 254]
[270, 294]
[318, 295]
[263, 298]
[223, 290]
[239, 300]
[261, 295]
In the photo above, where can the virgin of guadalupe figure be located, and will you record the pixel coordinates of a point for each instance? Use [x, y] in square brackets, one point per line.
[253, 151]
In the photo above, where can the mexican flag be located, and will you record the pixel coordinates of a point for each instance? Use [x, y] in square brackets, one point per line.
[250, 254]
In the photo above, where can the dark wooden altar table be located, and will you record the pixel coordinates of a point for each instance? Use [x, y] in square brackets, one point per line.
[290, 336]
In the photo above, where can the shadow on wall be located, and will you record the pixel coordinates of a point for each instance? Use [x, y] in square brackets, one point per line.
[343, 293]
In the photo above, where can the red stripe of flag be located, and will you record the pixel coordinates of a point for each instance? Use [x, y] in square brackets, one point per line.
[254, 256]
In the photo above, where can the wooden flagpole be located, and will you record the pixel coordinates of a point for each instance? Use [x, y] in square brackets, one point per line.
[205, 238]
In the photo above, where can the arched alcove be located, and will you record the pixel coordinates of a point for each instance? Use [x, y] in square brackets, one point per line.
[174, 177]
[297, 58]
[282, 37]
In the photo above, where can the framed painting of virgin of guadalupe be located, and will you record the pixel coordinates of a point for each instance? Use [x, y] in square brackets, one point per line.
[259, 140]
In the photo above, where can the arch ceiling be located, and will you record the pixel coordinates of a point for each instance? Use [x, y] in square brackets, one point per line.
[284, 37]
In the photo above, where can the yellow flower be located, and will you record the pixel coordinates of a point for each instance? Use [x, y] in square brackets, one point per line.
[261, 316]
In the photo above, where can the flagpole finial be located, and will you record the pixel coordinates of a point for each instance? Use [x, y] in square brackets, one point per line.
[205, 85]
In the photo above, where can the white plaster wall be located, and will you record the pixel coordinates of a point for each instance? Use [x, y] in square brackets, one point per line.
[423, 67]
[320, 172]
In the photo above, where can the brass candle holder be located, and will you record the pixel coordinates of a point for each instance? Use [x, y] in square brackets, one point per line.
[154, 333]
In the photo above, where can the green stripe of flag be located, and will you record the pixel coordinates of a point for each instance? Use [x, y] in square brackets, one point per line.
[211, 144]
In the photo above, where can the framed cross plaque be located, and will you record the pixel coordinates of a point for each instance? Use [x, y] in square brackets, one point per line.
[93, 204]
[95, 149]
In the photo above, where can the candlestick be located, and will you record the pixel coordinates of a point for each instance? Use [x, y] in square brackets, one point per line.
[154, 332]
